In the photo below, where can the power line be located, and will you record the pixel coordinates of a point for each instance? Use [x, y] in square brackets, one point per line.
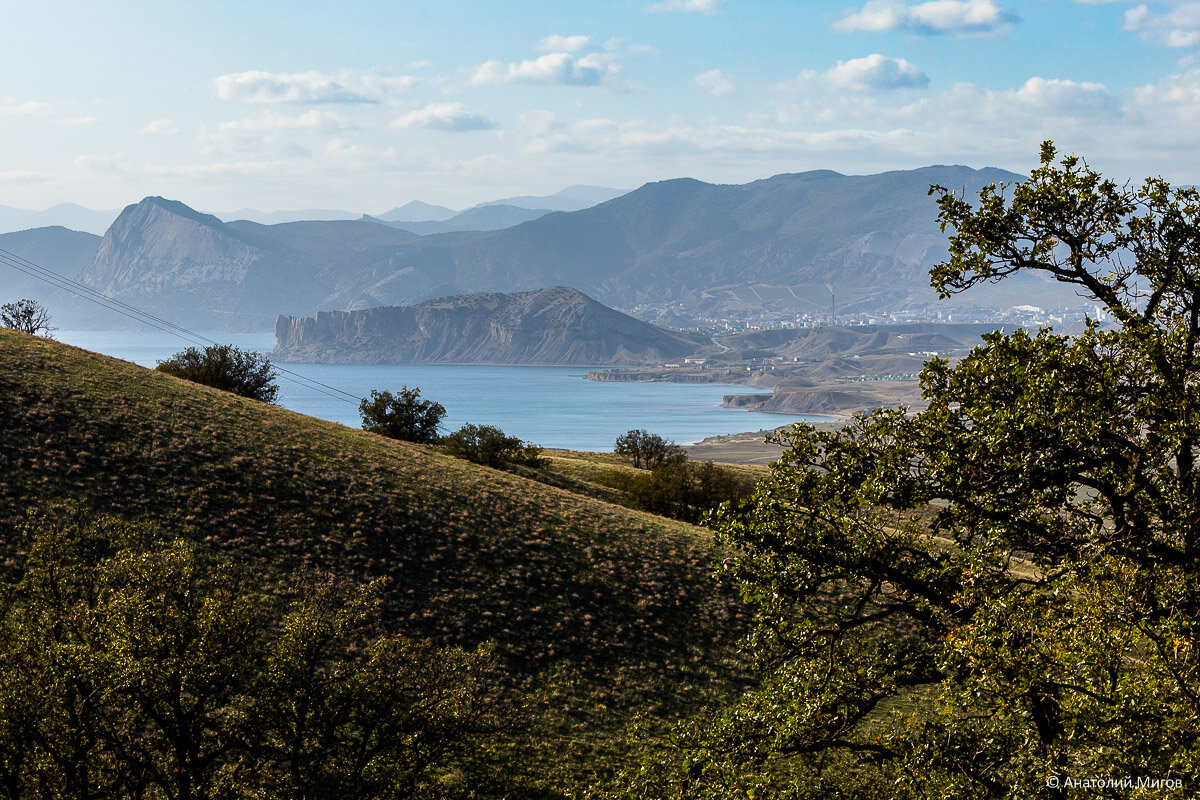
[82, 291]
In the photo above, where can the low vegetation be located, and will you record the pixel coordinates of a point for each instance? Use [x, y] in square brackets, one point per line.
[591, 612]
[647, 450]
[683, 489]
[225, 367]
[139, 666]
[26, 316]
[490, 446]
[404, 415]
[996, 597]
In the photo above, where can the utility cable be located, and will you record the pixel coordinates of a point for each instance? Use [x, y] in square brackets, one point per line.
[82, 291]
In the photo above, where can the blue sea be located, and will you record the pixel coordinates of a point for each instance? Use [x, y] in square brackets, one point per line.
[548, 406]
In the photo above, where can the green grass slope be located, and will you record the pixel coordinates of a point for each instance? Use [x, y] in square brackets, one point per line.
[605, 610]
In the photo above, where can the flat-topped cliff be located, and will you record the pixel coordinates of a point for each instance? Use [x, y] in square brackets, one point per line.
[546, 326]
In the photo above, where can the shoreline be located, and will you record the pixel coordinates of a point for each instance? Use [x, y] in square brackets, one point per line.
[749, 447]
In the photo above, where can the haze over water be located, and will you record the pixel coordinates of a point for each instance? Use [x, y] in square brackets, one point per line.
[549, 406]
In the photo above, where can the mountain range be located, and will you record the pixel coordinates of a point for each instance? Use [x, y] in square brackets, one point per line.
[793, 243]
[76, 217]
[66, 215]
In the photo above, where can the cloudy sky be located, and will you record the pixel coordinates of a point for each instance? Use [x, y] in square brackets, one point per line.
[367, 105]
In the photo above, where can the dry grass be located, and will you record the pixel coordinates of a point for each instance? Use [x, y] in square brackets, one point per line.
[617, 606]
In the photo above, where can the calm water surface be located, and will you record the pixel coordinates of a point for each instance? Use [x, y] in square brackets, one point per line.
[549, 406]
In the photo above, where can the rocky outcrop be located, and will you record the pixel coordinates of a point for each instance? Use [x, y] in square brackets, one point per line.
[838, 402]
[161, 254]
[546, 326]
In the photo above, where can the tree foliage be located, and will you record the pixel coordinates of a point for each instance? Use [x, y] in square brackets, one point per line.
[647, 450]
[27, 316]
[132, 666]
[403, 415]
[683, 489]
[486, 444]
[1000, 594]
[225, 367]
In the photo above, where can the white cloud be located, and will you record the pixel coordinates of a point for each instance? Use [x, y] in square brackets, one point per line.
[714, 82]
[24, 176]
[273, 133]
[314, 120]
[538, 122]
[103, 164]
[1041, 108]
[445, 117]
[552, 69]
[1176, 97]
[160, 127]
[1065, 98]
[23, 109]
[1178, 27]
[565, 44]
[699, 6]
[349, 86]
[934, 17]
[876, 73]
[678, 140]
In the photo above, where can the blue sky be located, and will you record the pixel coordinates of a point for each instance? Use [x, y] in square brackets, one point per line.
[367, 105]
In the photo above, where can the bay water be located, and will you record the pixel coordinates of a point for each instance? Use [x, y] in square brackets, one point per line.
[549, 406]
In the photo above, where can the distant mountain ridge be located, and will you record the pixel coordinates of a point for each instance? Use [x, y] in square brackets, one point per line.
[65, 215]
[65, 252]
[778, 243]
[555, 326]
[811, 242]
[417, 211]
[161, 254]
[572, 198]
[480, 218]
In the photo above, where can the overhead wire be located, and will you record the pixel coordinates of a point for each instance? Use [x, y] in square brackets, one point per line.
[80, 290]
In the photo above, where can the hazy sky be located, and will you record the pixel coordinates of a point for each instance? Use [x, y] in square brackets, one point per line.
[367, 105]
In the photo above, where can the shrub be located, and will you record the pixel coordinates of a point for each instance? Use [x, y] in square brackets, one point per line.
[402, 416]
[683, 489]
[647, 450]
[225, 367]
[485, 444]
[27, 316]
[139, 647]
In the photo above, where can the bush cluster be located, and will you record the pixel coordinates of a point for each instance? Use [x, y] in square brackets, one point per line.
[136, 667]
[647, 450]
[225, 367]
[486, 444]
[671, 485]
[403, 415]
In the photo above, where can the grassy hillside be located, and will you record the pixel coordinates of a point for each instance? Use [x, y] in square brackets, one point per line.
[598, 610]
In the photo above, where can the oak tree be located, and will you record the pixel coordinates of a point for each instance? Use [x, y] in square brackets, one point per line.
[1000, 594]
